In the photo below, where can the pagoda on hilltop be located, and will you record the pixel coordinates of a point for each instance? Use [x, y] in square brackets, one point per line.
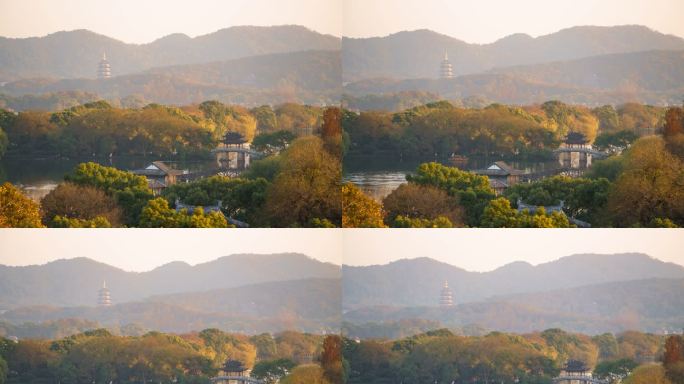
[104, 298]
[446, 297]
[104, 70]
[445, 69]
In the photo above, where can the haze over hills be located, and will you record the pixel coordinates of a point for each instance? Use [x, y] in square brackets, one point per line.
[312, 77]
[75, 282]
[75, 54]
[417, 282]
[417, 54]
[271, 65]
[311, 305]
[650, 305]
[653, 77]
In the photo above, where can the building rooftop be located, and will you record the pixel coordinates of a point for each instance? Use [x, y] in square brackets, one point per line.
[499, 168]
[575, 366]
[234, 138]
[575, 138]
[234, 366]
[158, 168]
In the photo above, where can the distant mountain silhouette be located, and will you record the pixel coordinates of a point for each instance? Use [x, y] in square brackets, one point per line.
[649, 305]
[653, 77]
[75, 282]
[417, 54]
[311, 305]
[417, 282]
[312, 77]
[75, 54]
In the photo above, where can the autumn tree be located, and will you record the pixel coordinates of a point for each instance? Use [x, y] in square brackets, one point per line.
[241, 198]
[331, 359]
[229, 346]
[500, 214]
[571, 118]
[306, 374]
[640, 119]
[583, 199]
[331, 131]
[609, 120]
[271, 371]
[267, 121]
[31, 361]
[650, 186]
[4, 142]
[32, 131]
[648, 374]
[472, 191]
[426, 202]
[229, 118]
[17, 210]
[307, 188]
[417, 222]
[298, 119]
[673, 358]
[80, 203]
[673, 131]
[272, 143]
[130, 191]
[158, 214]
[360, 210]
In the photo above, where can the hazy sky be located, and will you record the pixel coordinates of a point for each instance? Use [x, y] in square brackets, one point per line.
[472, 249]
[142, 21]
[475, 21]
[486, 249]
[144, 249]
[484, 21]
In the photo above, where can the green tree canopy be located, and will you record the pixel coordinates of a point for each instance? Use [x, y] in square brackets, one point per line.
[473, 191]
[130, 191]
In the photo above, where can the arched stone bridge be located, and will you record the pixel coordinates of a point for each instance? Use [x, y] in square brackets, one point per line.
[592, 152]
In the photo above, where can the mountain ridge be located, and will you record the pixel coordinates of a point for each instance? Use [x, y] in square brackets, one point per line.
[75, 54]
[651, 305]
[387, 284]
[64, 282]
[310, 305]
[417, 54]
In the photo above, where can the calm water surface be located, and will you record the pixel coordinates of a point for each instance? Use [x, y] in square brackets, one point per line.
[379, 177]
[37, 177]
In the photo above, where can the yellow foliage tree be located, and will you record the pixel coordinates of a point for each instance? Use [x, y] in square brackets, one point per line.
[648, 374]
[359, 210]
[17, 210]
[306, 374]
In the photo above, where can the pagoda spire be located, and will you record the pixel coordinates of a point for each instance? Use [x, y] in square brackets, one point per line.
[445, 68]
[104, 70]
[104, 297]
[446, 297]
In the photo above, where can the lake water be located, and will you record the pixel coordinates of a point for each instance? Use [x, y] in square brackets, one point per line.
[37, 177]
[379, 177]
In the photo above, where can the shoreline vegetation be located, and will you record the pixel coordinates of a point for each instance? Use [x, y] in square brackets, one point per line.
[100, 356]
[438, 355]
[294, 140]
[443, 356]
[296, 179]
